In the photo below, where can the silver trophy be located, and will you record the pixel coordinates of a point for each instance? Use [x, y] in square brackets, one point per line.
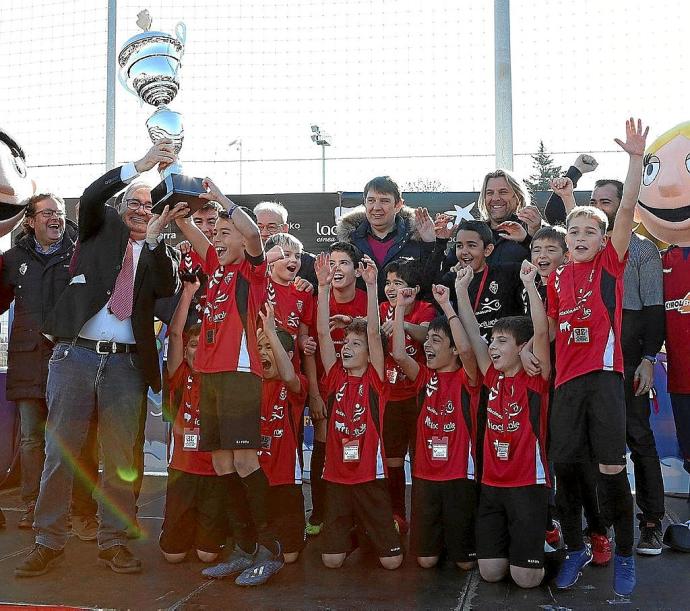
[150, 63]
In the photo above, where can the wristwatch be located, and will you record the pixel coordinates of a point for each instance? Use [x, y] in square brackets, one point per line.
[652, 359]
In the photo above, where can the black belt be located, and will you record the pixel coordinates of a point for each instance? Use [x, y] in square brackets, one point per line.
[102, 347]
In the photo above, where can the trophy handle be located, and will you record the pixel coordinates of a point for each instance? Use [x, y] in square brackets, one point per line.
[123, 82]
[181, 33]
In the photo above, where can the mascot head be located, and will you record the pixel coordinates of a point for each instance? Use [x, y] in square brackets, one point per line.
[664, 202]
[15, 184]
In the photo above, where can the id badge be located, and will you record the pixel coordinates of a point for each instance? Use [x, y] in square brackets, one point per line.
[439, 448]
[581, 335]
[210, 336]
[266, 442]
[191, 440]
[502, 449]
[351, 450]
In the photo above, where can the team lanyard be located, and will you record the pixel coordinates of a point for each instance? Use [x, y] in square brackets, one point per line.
[481, 288]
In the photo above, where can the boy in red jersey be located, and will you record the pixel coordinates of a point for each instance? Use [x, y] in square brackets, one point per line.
[282, 404]
[585, 307]
[444, 494]
[230, 367]
[400, 422]
[195, 499]
[356, 396]
[346, 302]
[514, 488]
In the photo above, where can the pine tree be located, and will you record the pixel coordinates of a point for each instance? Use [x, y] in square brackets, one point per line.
[544, 170]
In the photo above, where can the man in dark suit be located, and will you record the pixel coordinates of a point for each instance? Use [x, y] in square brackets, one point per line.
[104, 359]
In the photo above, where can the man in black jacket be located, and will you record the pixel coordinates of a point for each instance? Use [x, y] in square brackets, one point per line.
[105, 358]
[34, 274]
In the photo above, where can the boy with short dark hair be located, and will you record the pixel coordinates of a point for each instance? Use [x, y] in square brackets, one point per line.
[195, 499]
[444, 493]
[496, 290]
[230, 366]
[346, 302]
[515, 477]
[585, 299]
[400, 422]
[356, 396]
[282, 404]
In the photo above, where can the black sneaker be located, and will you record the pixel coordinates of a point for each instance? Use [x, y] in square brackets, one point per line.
[649, 543]
[39, 561]
[119, 559]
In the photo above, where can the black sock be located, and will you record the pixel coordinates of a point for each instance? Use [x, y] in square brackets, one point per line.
[318, 492]
[569, 503]
[239, 517]
[257, 490]
[396, 487]
[616, 503]
[596, 523]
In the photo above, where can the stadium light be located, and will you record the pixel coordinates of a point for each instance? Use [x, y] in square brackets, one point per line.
[323, 140]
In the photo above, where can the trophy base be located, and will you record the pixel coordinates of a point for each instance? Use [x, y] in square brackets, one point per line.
[176, 188]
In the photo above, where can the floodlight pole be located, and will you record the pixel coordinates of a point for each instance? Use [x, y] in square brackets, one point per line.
[503, 91]
[323, 168]
[322, 140]
[111, 63]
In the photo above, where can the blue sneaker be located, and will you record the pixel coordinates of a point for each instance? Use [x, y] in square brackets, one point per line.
[237, 562]
[266, 564]
[624, 575]
[572, 566]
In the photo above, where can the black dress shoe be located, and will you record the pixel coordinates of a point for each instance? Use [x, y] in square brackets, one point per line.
[27, 519]
[119, 559]
[39, 561]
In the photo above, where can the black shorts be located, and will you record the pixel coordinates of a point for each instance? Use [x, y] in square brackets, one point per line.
[286, 516]
[443, 516]
[587, 421]
[367, 505]
[195, 513]
[511, 524]
[230, 411]
[400, 427]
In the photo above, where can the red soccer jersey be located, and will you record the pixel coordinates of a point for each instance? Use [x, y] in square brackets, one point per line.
[356, 307]
[292, 307]
[586, 301]
[189, 263]
[515, 436]
[234, 296]
[401, 387]
[281, 431]
[445, 425]
[185, 390]
[676, 266]
[354, 448]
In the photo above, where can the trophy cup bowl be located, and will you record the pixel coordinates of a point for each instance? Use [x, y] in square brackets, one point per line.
[149, 69]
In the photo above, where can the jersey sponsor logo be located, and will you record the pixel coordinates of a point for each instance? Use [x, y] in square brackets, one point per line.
[359, 412]
[450, 408]
[564, 327]
[430, 424]
[513, 426]
[488, 307]
[449, 427]
[494, 426]
[513, 410]
[277, 413]
[493, 412]
[278, 433]
[682, 306]
[667, 270]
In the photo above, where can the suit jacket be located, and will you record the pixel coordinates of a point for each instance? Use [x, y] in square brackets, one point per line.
[103, 240]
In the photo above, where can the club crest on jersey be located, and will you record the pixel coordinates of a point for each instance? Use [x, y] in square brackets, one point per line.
[283, 393]
[299, 305]
[22, 268]
[493, 287]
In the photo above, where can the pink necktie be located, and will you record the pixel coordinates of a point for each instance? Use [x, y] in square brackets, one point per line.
[122, 298]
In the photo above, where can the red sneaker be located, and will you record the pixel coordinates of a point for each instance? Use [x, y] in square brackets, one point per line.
[601, 549]
[554, 538]
[401, 524]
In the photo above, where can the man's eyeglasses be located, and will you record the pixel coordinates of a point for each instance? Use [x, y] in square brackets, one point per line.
[49, 214]
[271, 227]
[135, 204]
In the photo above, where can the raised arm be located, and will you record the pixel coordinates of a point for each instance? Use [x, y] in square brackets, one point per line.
[634, 145]
[564, 188]
[460, 338]
[177, 323]
[200, 243]
[555, 211]
[540, 341]
[377, 358]
[410, 367]
[324, 276]
[284, 365]
[469, 320]
[244, 224]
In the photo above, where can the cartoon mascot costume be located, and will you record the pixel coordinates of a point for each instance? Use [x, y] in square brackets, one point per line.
[664, 209]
